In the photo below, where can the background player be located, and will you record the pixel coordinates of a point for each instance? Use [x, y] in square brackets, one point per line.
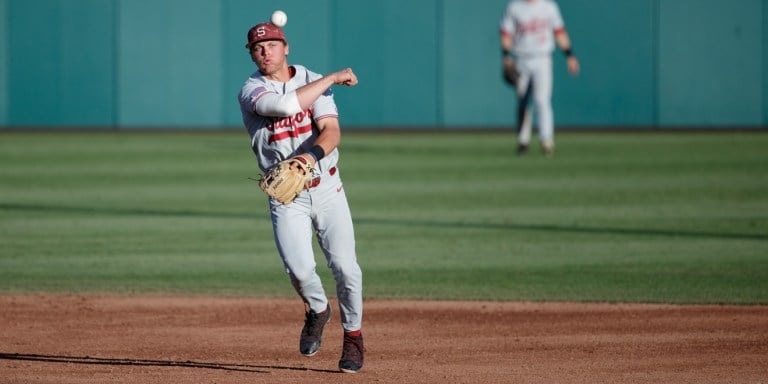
[529, 29]
[289, 111]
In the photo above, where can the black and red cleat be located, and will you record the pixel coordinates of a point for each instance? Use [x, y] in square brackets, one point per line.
[352, 353]
[312, 333]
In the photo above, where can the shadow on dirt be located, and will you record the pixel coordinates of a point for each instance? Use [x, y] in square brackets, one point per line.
[156, 363]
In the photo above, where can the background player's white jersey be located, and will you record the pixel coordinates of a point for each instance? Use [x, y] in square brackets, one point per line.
[284, 137]
[532, 23]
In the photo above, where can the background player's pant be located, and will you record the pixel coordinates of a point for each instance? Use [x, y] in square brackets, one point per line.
[324, 209]
[535, 84]
[524, 118]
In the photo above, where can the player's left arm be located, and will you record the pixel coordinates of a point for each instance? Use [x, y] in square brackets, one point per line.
[564, 43]
[327, 141]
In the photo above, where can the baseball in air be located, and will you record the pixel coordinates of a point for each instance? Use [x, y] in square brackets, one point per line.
[279, 18]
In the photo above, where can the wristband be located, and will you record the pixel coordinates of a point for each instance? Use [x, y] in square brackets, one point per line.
[504, 52]
[317, 152]
[568, 52]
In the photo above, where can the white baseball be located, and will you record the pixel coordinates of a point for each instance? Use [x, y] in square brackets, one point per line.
[279, 18]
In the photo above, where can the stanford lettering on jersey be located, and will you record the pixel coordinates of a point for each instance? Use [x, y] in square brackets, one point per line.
[533, 26]
[290, 127]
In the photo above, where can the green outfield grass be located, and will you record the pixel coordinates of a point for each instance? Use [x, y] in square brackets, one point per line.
[672, 217]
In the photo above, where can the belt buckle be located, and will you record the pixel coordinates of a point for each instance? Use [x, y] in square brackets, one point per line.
[316, 181]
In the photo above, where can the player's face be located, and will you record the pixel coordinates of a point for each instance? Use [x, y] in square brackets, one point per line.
[269, 56]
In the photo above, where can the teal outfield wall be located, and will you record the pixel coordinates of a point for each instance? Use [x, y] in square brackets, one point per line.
[428, 63]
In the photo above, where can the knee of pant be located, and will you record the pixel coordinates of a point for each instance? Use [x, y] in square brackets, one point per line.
[301, 274]
[350, 272]
[543, 103]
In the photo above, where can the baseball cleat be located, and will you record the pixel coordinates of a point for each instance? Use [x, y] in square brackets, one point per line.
[352, 353]
[549, 148]
[312, 333]
[522, 149]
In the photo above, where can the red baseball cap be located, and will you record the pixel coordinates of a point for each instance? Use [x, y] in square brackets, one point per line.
[263, 32]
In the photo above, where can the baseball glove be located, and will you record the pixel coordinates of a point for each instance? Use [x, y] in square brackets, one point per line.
[287, 179]
[510, 74]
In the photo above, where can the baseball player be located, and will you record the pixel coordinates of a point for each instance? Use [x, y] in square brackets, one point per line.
[289, 112]
[529, 30]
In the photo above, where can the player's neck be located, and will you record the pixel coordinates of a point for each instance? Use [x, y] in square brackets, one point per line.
[282, 75]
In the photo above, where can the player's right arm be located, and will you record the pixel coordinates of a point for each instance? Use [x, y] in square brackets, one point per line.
[257, 98]
[506, 41]
[506, 33]
[308, 94]
[506, 47]
[264, 102]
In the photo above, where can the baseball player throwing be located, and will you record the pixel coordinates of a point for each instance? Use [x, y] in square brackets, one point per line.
[289, 111]
[529, 31]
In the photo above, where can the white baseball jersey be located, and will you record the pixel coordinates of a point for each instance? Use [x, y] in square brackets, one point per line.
[276, 138]
[532, 24]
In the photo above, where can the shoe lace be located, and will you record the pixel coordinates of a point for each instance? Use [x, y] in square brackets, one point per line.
[353, 347]
[311, 323]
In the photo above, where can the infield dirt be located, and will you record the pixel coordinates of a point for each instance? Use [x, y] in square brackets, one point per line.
[168, 340]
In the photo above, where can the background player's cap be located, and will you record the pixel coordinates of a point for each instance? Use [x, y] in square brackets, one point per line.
[264, 31]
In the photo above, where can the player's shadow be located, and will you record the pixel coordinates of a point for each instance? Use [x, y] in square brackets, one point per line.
[87, 360]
